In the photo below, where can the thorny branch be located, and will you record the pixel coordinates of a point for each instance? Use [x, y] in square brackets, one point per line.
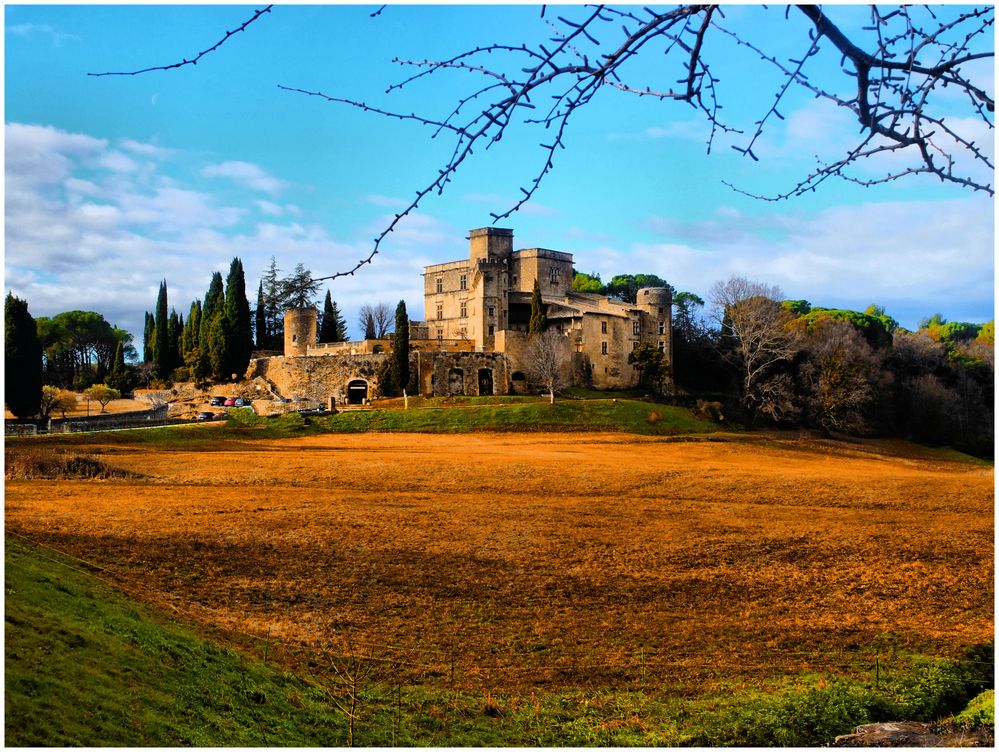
[194, 60]
[913, 59]
[891, 87]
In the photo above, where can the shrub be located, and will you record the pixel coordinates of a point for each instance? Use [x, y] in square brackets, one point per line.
[981, 711]
[50, 464]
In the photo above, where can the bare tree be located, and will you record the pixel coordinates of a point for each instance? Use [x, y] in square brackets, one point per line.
[843, 376]
[754, 334]
[546, 353]
[383, 319]
[375, 320]
[917, 79]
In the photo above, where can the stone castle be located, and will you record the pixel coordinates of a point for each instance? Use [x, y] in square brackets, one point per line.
[475, 333]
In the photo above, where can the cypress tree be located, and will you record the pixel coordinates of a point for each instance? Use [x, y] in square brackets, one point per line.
[218, 346]
[148, 335]
[327, 332]
[538, 319]
[161, 347]
[238, 322]
[120, 378]
[22, 359]
[400, 346]
[214, 301]
[191, 330]
[174, 330]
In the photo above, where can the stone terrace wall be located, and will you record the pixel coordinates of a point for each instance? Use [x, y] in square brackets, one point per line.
[318, 378]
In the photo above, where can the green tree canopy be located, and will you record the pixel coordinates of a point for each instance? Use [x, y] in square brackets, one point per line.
[625, 287]
[582, 282]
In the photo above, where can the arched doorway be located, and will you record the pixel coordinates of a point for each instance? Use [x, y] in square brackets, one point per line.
[485, 382]
[518, 384]
[357, 392]
[456, 381]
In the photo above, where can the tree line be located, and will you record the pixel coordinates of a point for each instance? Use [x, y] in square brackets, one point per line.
[773, 361]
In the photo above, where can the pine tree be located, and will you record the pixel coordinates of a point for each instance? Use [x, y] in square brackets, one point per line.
[339, 325]
[22, 359]
[260, 319]
[327, 332]
[273, 308]
[400, 347]
[161, 347]
[238, 323]
[538, 319]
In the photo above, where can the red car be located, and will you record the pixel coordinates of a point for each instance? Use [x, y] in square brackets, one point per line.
[230, 402]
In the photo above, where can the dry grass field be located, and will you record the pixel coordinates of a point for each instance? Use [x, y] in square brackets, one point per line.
[505, 561]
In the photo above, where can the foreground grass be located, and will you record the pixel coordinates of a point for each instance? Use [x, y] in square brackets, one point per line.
[435, 415]
[87, 666]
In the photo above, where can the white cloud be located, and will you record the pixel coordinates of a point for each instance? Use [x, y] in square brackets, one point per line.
[30, 30]
[246, 174]
[908, 256]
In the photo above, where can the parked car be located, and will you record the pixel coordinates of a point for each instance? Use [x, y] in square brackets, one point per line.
[217, 401]
[240, 402]
[206, 415]
[230, 402]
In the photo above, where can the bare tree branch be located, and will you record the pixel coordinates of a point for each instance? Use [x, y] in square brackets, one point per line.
[194, 60]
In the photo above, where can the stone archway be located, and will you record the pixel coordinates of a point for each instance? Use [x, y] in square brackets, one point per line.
[485, 382]
[357, 392]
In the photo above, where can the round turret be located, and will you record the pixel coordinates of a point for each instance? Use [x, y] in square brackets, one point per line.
[655, 298]
[300, 326]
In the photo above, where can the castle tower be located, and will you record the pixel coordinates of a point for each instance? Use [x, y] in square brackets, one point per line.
[300, 326]
[490, 244]
[657, 318]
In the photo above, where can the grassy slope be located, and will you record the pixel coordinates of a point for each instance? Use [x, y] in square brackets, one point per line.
[87, 666]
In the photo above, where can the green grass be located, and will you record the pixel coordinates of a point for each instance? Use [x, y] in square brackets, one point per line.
[630, 416]
[87, 666]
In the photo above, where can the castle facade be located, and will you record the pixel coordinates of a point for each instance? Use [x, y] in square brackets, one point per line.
[473, 339]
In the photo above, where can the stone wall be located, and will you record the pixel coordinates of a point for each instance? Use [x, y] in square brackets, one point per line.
[317, 378]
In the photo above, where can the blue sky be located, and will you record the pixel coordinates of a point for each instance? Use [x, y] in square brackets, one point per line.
[114, 183]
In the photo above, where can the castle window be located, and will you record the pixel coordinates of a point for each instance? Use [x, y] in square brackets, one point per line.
[662, 346]
[603, 327]
[489, 278]
[464, 310]
[463, 282]
[553, 275]
[603, 348]
[440, 334]
[492, 311]
[662, 327]
[660, 311]
[637, 327]
[440, 284]
[515, 279]
[491, 329]
[440, 311]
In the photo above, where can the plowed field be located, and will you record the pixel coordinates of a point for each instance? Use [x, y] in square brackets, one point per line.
[511, 560]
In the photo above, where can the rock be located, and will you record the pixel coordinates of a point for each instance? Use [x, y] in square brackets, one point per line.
[911, 734]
